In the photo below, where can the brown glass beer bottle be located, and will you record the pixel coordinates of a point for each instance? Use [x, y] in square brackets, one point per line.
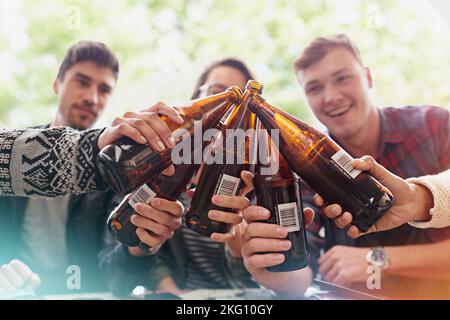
[325, 166]
[221, 171]
[278, 190]
[166, 187]
[125, 164]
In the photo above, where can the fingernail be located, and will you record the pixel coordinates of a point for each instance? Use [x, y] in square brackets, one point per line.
[172, 141]
[160, 145]
[143, 140]
[264, 214]
[286, 245]
[335, 210]
[180, 118]
[279, 258]
[217, 199]
[212, 214]
[281, 231]
[156, 202]
[136, 206]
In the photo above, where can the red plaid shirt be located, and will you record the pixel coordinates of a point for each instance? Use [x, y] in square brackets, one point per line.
[415, 141]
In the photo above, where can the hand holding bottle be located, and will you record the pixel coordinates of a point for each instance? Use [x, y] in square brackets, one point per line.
[261, 237]
[155, 223]
[413, 201]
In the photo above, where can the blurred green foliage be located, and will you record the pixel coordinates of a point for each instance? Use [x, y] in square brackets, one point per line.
[163, 45]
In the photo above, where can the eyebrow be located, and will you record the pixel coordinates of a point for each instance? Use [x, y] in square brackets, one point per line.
[312, 82]
[85, 77]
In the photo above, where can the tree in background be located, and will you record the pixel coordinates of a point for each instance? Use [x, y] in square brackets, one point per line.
[164, 44]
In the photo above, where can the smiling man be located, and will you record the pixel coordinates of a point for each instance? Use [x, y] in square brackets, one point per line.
[409, 141]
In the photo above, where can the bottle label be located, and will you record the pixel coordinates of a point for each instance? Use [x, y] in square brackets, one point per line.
[343, 160]
[228, 185]
[288, 216]
[142, 195]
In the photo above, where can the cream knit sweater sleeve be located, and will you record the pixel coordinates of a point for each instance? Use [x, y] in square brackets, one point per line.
[439, 185]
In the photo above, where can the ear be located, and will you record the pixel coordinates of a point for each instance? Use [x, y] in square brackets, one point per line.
[369, 77]
[56, 86]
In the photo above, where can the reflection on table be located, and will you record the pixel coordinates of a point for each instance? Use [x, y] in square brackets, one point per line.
[319, 290]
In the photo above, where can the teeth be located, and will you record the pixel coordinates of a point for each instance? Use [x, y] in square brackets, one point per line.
[337, 112]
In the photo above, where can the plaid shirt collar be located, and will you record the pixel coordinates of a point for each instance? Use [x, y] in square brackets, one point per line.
[391, 132]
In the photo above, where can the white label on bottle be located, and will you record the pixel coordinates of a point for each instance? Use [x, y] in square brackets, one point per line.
[343, 160]
[228, 185]
[142, 195]
[288, 216]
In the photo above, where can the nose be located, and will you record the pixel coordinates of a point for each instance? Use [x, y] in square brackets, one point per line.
[91, 96]
[333, 95]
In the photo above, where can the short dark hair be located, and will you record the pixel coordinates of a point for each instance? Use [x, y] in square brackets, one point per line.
[94, 51]
[227, 62]
[319, 47]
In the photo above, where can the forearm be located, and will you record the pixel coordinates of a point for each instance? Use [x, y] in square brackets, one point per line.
[430, 261]
[436, 199]
[287, 284]
[48, 162]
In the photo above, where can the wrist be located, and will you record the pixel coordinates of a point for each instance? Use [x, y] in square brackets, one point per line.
[423, 203]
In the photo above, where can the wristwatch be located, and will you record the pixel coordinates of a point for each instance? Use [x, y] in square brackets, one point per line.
[377, 256]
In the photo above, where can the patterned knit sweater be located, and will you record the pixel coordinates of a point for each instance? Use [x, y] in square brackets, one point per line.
[48, 162]
[439, 185]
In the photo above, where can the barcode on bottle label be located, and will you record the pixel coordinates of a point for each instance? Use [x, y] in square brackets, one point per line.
[288, 216]
[142, 195]
[228, 185]
[343, 160]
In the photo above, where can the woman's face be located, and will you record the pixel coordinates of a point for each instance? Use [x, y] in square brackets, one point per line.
[221, 78]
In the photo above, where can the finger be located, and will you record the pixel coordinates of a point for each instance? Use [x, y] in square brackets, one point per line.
[175, 208]
[222, 237]
[380, 173]
[22, 270]
[112, 134]
[231, 202]
[354, 231]
[247, 177]
[265, 260]
[325, 265]
[148, 239]
[265, 230]
[341, 280]
[255, 213]
[160, 127]
[5, 284]
[152, 131]
[171, 112]
[13, 277]
[308, 214]
[343, 220]
[35, 280]
[150, 225]
[318, 200]
[332, 211]
[227, 217]
[346, 218]
[261, 245]
[331, 274]
[158, 216]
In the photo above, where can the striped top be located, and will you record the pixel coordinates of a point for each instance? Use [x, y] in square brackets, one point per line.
[206, 265]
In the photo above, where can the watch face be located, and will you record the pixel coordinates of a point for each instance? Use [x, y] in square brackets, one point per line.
[379, 255]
